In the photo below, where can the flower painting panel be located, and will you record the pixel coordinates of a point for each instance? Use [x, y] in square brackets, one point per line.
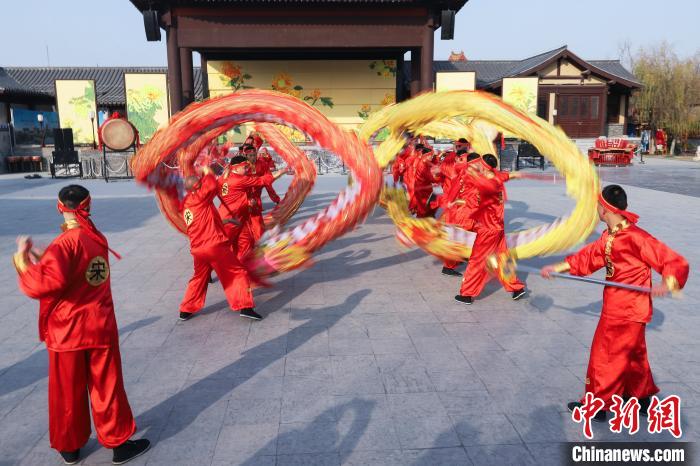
[75, 100]
[346, 91]
[146, 102]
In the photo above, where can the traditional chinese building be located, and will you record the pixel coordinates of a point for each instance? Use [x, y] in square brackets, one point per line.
[587, 98]
[315, 49]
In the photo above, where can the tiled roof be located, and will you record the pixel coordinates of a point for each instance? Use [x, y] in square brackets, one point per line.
[109, 81]
[534, 61]
[10, 86]
[491, 71]
[487, 71]
[616, 68]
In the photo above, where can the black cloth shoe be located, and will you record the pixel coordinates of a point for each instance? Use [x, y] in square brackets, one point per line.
[600, 416]
[519, 294]
[450, 272]
[463, 299]
[250, 313]
[129, 450]
[70, 457]
[186, 315]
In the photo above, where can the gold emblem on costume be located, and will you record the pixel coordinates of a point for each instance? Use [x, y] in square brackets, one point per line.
[224, 189]
[609, 267]
[97, 271]
[588, 381]
[188, 216]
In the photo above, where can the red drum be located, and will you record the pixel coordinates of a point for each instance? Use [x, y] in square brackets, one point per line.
[118, 134]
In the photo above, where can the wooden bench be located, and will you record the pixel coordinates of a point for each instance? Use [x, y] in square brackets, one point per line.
[24, 163]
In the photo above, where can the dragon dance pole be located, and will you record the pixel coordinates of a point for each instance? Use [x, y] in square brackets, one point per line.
[597, 281]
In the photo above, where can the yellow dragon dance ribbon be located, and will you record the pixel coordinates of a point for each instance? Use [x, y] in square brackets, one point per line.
[439, 113]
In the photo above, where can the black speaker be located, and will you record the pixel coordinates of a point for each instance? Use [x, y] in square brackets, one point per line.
[448, 25]
[68, 139]
[58, 139]
[150, 22]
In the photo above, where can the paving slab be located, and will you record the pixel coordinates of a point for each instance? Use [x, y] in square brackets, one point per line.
[363, 358]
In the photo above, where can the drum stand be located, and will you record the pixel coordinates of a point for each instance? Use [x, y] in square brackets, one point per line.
[105, 167]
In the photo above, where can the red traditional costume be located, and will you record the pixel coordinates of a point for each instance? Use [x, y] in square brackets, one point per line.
[460, 202]
[660, 137]
[421, 178]
[234, 192]
[398, 169]
[447, 172]
[211, 249]
[618, 362]
[78, 326]
[265, 156]
[257, 225]
[490, 233]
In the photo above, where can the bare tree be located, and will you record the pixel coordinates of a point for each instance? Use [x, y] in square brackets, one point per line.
[670, 98]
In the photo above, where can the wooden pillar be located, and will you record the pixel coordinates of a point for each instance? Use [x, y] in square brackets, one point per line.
[205, 77]
[427, 75]
[174, 71]
[400, 79]
[415, 71]
[604, 111]
[187, 72]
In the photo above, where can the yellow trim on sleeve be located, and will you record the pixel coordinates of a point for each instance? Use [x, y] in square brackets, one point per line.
[20, 262]
[672, 284]
[562, 267]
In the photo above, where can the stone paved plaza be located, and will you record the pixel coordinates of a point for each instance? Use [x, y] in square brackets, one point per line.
[363, 358]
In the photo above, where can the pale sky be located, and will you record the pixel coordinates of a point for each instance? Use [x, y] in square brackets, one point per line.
[110, 32]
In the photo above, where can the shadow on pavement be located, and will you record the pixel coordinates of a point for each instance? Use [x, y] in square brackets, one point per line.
[35, 367]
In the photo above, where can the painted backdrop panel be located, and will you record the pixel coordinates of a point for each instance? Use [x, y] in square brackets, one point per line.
[521, 93]
[455, 81]
[146, 102]
[346, 91]
[75, 99]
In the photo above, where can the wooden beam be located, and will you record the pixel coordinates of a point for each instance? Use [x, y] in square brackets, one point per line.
[197, 34]
[307, 13]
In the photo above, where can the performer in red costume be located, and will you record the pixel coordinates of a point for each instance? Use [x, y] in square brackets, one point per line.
[258, 167]
[409, 172]
[462, 144]
[459, 201]
[618, 363]
[77, 324]
[254, 139]
[265, 156]
[446, 171]
[211, 249]
[400, 165]
[235, 209]
[422, 178]
[490, 231]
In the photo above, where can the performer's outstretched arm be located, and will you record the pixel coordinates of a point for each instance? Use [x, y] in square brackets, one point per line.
[47, 276]
[672, 267]
[272, 193]
[586, 261]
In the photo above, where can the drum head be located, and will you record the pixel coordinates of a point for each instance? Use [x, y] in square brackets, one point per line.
[118, 134]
